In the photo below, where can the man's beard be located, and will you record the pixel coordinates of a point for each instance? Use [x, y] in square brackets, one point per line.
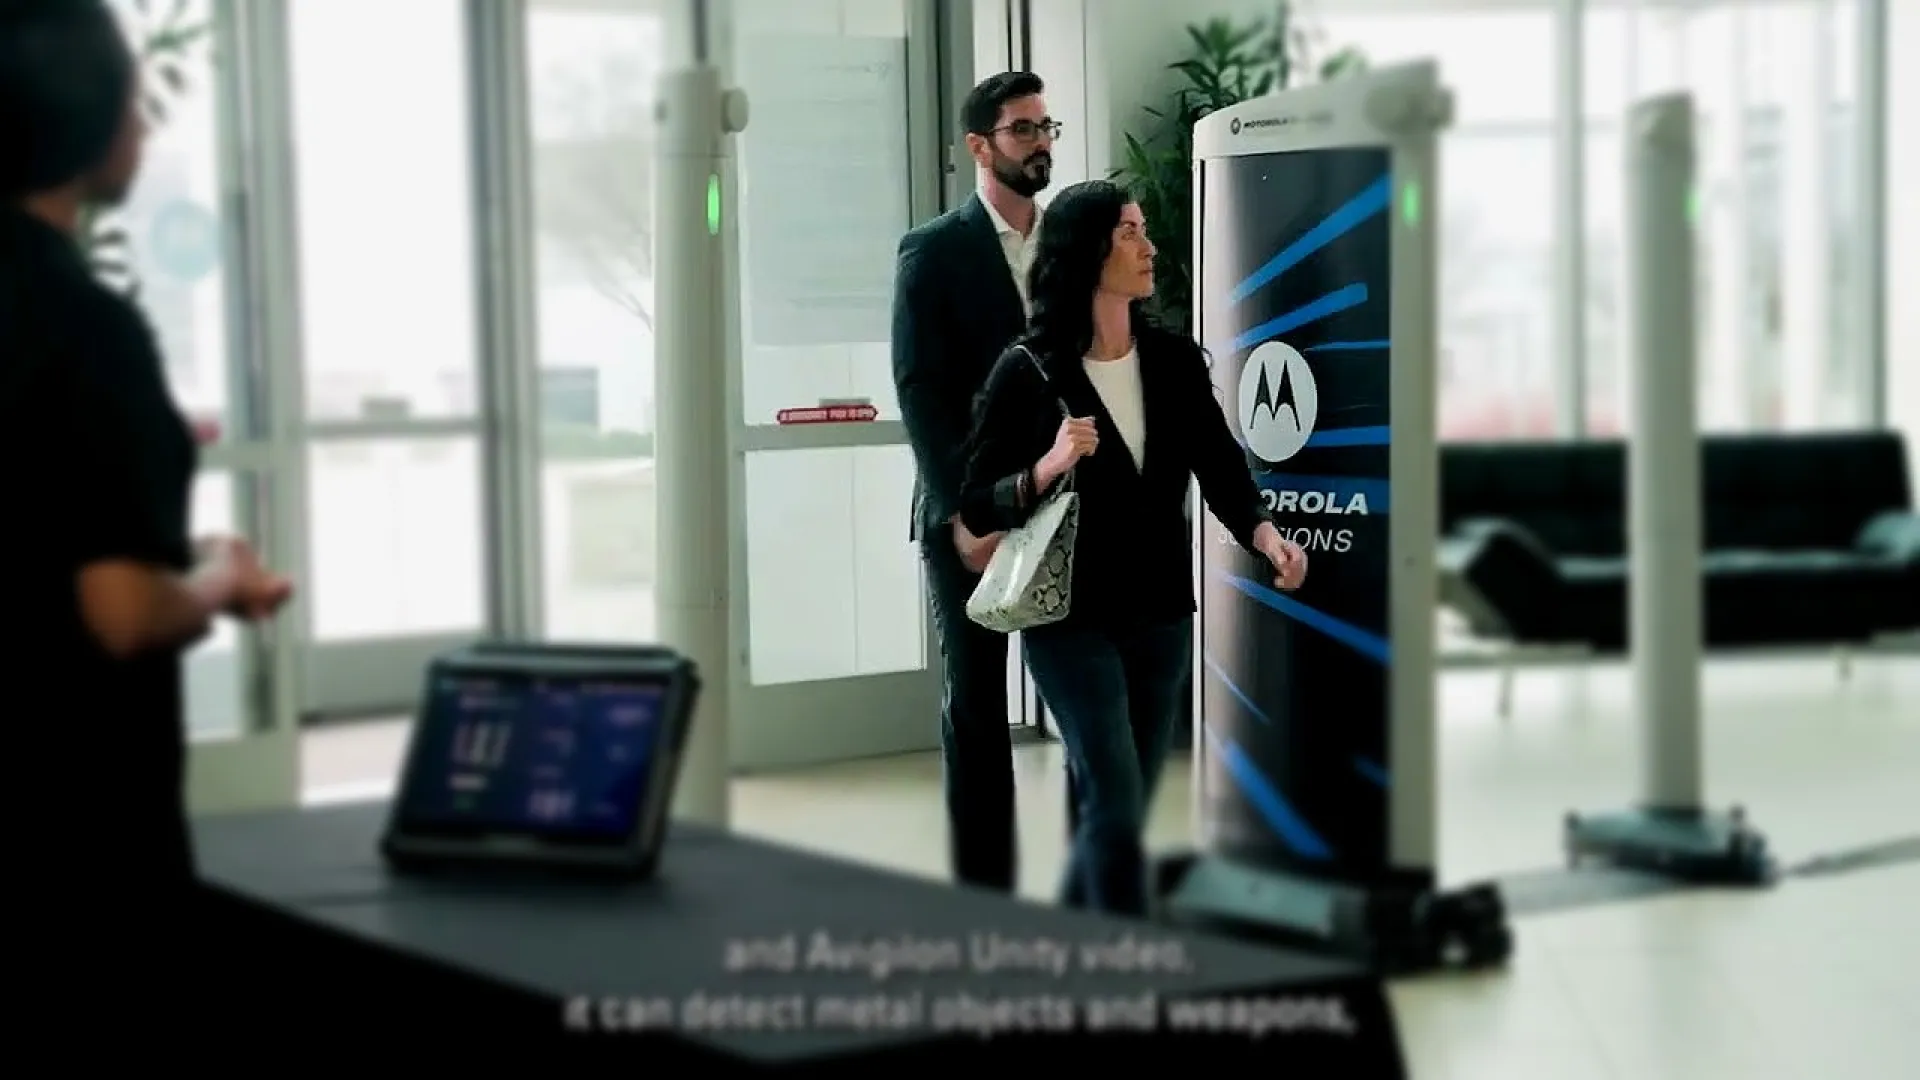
[1025, 178]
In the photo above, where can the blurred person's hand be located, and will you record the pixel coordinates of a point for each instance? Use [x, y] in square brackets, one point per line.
[262, 596]
[253, 592]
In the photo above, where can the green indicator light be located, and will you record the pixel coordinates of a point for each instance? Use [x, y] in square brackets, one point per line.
[1410, 204]
[713, 205]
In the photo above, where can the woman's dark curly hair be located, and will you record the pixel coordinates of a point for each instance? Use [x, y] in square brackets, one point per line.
[1076, 236]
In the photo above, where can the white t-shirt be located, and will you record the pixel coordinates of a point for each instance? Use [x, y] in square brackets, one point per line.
[1118, 383]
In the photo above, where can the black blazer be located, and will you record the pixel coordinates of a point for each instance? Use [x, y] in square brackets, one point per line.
[955, 307]
[1132, 561]
[80, 369]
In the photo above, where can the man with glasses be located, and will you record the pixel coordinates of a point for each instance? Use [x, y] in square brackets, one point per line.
[960, 295]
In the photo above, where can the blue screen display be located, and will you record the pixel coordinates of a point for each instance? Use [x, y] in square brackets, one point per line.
[1296, 307]
[556, 758]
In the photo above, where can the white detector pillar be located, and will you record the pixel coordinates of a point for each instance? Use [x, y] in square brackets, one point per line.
[1663, 454]
[1669, 831]
[696, 114]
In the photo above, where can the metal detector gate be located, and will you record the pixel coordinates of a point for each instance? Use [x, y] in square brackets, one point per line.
[1670, 830]
[1315, 268]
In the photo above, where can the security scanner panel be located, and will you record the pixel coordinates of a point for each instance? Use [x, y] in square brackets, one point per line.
[562, 757]
[1299, 692]
[1315, 258]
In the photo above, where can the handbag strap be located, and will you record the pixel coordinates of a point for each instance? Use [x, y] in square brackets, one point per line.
[1065, 413]
[1066, 482]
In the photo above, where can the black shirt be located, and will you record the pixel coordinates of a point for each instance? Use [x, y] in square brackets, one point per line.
[98, 465]
[1133, 556]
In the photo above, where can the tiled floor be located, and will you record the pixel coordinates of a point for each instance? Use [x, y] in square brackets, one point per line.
[1818, 979]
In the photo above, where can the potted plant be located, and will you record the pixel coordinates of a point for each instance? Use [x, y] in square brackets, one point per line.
[1229, 62]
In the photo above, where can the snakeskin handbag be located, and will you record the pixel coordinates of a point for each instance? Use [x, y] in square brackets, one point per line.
[1029, 581]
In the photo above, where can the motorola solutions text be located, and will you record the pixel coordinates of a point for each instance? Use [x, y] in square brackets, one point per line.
[1315, 537]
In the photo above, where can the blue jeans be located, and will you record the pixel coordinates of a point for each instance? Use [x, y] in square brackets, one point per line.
[1115, 695]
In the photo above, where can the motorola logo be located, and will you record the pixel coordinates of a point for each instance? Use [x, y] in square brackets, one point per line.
[1279, 402]
[1318, 119]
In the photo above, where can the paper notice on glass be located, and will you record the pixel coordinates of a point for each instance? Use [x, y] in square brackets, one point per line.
[823, 186]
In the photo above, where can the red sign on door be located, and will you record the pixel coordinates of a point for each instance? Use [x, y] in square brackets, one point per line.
[828, 414]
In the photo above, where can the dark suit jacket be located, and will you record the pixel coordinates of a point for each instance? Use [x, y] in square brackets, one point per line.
[1132, 561]
[955, 307]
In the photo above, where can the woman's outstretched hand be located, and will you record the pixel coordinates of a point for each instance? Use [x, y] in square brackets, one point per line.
[1289, 559]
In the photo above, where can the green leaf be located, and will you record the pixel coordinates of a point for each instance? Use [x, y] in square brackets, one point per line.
[174, 42]
[1198, 74]
[1237, 39]
[1348, 61]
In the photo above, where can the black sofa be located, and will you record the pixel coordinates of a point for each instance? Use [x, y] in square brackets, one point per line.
[1810, 539]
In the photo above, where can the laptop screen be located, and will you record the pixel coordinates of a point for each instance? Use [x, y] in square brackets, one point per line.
[558, 759]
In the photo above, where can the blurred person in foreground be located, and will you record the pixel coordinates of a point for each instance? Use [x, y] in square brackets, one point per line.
[99, 464]
[1096, 392]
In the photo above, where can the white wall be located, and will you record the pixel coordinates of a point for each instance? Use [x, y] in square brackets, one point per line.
[1903, 228]
[1059, 55]
[1105, 60]
[991, 22]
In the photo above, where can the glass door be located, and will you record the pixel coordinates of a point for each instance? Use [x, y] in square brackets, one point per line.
[590, 75]
[391, 392]
[842, 155]
[185, 243]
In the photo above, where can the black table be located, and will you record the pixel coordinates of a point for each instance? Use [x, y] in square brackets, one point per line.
[307, 902]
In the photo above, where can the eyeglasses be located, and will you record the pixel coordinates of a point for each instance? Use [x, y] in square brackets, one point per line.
[1027, 131]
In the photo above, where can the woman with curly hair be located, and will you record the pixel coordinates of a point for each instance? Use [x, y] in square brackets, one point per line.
[1094, 390]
